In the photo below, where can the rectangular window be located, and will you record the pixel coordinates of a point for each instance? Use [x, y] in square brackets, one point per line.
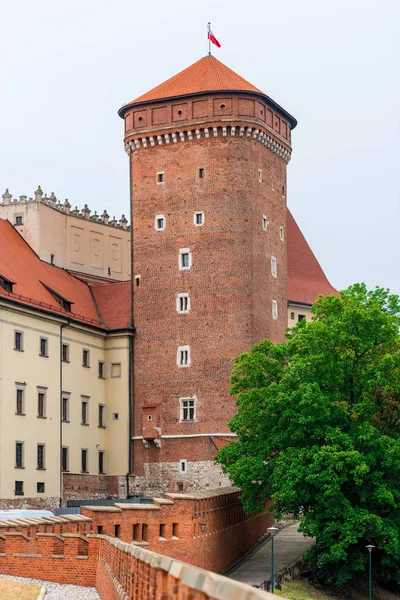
[6, 284]
[273, 266]
[135, 532]
[40, 487]
[40, 456]
[18, 340]
[41, 404]
[162, 530]
[175, 529]
[102, 410]
[281, 233]
[188, 409]
[84, 461]
[260, 175]
[65, 353]
[99, 529]
[144, 532]
[183, 303]
[185, 259]
[159, 222]
[201, 173]
[64, 458]
[179, 486]
[274, 309]
[19, 220]
[292, 316]
[85, 412]
[300, 318]
[102, 370]
[101, 461]
[183, 357]
[43, 347]
[160, 177]
[117, 529]
[65, 408]
[116, 370]
[20, 407]
[85, 358]
[19, 454]
[265, 223]
[182, 466]
[198, 219]
[19, 488]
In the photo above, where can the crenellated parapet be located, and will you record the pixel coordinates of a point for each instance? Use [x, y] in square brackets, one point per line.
[63, 207]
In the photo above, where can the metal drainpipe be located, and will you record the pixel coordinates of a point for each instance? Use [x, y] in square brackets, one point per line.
[131, 391]
[61, 402]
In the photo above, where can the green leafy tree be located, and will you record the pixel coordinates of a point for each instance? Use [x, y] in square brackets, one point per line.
[318, 428]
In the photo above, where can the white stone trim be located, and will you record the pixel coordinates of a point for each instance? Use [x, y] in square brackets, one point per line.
[190, 435]
[156, 219]
[185, 251]
[198, 212]
[178, 299]
[206, 132]
[183, 349]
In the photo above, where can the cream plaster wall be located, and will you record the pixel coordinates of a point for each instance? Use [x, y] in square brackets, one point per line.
[294, 310]
[77, 243]
[29, 368]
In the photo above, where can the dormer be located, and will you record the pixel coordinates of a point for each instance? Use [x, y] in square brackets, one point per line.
[6, 284]
[63, 302]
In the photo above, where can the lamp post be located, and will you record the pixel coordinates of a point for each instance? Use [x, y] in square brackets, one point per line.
[273, 531]
[370, 548]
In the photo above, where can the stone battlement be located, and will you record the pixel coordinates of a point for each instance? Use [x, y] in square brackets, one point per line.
[65, 207]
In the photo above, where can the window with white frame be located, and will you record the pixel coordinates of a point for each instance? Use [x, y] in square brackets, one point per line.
[159, 222]
[187, 409]
[183, 303]
[274, 309]
[273, 266]
[65, 407]
[260, 175]
[85, 410]
[198, 219]
[183, 356]
[265, 223]
[185, 259]
[281, 233]
[183, 465]
[41, 407]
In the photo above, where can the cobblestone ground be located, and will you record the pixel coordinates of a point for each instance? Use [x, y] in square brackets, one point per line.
[57, 591]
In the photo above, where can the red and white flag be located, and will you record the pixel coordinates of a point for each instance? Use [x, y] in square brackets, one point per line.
[213, 39]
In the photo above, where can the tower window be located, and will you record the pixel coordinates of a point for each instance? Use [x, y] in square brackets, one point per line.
[159, 223]
[201, 173]
[260, 175]
[137, 280]
[183, 465]
[183, 356]
[265, 223]
[273, 266]
[188, 409]
[198, 218]
[19, 220]
[274, 309]
[185, 259]
[281, 233]
[283, 190]
[160, 177]
[183, 303]
[52, 257]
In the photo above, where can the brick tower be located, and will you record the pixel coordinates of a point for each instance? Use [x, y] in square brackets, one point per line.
[208, 154]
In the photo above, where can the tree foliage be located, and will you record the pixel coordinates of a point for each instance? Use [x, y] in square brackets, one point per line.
[318, 428]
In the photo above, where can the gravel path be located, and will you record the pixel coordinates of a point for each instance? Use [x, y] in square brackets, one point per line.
[57, 591]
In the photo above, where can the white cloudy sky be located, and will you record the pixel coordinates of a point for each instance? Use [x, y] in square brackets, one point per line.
[67, 66]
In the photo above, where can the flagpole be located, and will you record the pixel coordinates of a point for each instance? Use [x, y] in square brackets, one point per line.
[209, 41]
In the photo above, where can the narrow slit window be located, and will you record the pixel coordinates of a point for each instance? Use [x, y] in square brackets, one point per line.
[201, 173]
[185, 259]
[18, 340]
[265, 223]
[85, 358]
[273, 266]
[281, 233]
[19, 455]
[160, 177]
[274, 309]
[183, 303]
[43, 350]
[260, 175]
[65, 458]
[41, 404]
[84, 461]
[159, 222]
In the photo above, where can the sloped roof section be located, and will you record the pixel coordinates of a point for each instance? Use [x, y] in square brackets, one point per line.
[206, 75]
[113, 301]
[306, 279]
[33, 281]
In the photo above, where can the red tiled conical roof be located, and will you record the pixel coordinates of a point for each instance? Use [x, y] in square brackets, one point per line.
[306, 279]
[206, 75]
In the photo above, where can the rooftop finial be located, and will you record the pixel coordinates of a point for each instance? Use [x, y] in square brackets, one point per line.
[38, 194]
[7, 197]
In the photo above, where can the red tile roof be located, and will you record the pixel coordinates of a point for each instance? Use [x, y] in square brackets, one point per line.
[306, 278]
[206, 75]
[20, 264]
[113, 302]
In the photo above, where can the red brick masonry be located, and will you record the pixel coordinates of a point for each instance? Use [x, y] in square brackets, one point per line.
[207, 529]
